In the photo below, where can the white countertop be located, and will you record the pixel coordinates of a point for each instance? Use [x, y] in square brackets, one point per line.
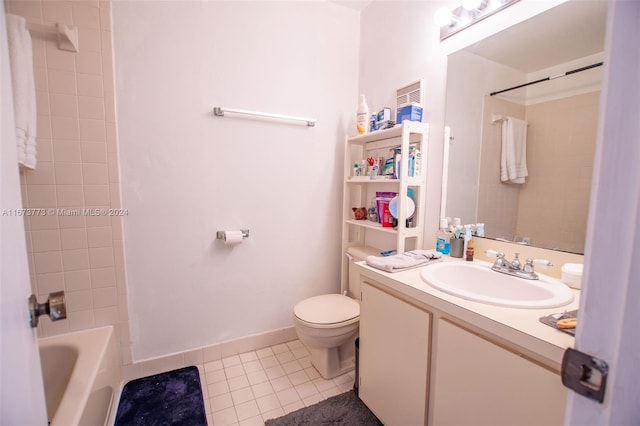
[517, 328]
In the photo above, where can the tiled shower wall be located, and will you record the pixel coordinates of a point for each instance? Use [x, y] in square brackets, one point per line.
[560, 149]
[497, 202]
[564, 132]
[77, 169]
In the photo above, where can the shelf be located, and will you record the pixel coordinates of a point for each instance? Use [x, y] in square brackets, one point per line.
[358, 190]
[394, 132]
[408, 232]
[412, 181]
[367, 179]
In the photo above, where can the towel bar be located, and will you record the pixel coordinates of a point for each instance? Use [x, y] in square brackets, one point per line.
[219, 111]
[67, 35]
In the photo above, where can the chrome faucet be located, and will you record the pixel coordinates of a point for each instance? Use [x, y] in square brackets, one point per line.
[514, 267]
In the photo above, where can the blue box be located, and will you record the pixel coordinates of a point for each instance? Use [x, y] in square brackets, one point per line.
[410, 113]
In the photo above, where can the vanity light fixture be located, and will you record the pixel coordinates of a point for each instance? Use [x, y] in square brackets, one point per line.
[444, 17]
[472, 5]
[471, 11]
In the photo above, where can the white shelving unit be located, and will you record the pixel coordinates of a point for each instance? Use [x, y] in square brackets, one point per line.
[359, 191]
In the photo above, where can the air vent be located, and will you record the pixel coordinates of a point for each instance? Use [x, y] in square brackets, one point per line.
[409, 94]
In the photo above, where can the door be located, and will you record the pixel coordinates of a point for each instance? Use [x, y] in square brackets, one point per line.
[21, 391]
[610, 295]
[500, 387]
[394, 354]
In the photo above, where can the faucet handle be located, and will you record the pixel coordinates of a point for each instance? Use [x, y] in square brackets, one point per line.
[493, 253]
[516, 261]
[541, 262]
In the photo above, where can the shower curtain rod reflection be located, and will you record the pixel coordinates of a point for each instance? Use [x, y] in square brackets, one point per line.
[577, 70]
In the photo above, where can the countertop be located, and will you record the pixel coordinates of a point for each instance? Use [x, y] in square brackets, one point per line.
[518, 329]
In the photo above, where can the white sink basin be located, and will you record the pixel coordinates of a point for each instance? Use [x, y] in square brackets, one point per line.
[476, 281]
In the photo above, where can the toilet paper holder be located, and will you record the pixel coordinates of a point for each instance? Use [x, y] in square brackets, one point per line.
[222, 235]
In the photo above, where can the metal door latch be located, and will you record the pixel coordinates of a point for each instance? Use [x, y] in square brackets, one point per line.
[584, 374]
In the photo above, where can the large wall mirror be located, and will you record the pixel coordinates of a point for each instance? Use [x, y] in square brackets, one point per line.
[550, 208]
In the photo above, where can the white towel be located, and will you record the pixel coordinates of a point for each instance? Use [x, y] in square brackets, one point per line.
[513, 164]
[24, 90]
[403, 261]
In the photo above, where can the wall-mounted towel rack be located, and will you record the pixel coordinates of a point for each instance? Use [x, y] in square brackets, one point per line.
[219, 111]
[67, 35]
[496, 118]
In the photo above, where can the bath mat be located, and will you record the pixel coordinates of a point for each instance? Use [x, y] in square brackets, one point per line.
[341, 410]
[171, 398]
[552, 319]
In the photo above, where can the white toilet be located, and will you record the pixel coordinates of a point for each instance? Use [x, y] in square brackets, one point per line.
[328, 325]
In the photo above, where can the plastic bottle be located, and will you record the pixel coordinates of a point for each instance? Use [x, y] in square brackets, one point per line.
[469, 252]
[443, 236]
[362, 120]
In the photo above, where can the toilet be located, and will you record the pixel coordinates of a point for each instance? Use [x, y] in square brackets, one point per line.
[328, 324]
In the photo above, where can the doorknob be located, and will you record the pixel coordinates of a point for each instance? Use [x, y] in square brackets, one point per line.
[54, 307]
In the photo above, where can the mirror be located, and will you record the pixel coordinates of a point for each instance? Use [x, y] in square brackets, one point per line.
[550, 208]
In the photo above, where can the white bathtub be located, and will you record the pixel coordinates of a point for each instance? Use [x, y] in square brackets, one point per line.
[81, 373]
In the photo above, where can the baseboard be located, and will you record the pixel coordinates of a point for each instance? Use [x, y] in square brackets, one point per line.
[146, 367]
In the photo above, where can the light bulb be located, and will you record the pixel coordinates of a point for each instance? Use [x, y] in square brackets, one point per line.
[442, 18]
[471, 4]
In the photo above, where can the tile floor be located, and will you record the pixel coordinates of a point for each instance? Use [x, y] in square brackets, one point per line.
[249, 388]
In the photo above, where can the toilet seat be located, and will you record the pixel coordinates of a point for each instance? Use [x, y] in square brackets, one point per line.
[327, 311]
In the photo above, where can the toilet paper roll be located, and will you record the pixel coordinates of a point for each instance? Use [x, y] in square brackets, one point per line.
[233, 237]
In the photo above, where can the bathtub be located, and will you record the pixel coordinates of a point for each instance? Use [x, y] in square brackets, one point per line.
[81, 372]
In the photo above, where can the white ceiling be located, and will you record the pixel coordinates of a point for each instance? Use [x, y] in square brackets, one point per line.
[570, 31]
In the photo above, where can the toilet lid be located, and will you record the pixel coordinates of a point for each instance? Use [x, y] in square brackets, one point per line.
[327, 309]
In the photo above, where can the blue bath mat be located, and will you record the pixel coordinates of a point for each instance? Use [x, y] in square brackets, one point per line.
[171, 398]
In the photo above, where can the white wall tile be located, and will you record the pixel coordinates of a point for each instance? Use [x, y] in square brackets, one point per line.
[74, 238]
[77, 280]
[57, 11]
[85, 15]
[66, 151]
[89, 85]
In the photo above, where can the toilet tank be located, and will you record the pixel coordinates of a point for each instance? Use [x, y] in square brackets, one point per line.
[356, 254]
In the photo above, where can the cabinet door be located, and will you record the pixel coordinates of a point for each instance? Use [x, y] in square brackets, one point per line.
[394, 346]
[477, 382]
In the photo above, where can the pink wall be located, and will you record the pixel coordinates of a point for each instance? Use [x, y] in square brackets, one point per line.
[187, 174]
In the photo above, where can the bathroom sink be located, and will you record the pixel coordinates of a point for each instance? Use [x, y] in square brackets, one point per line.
[476, 281]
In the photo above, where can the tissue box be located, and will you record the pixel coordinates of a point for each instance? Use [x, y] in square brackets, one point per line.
[572, 275]
[410, 113]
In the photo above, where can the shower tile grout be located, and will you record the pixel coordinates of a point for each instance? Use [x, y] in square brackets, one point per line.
[249, 388]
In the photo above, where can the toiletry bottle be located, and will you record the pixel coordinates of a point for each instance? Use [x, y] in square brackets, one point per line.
[362, 121]
[443, 237]
[373, 126]
[372, 213]
[469, 252]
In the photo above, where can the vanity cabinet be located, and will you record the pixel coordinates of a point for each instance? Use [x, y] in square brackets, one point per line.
[424, 361]
[360, 191]
[393, 357]
[476, 381]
